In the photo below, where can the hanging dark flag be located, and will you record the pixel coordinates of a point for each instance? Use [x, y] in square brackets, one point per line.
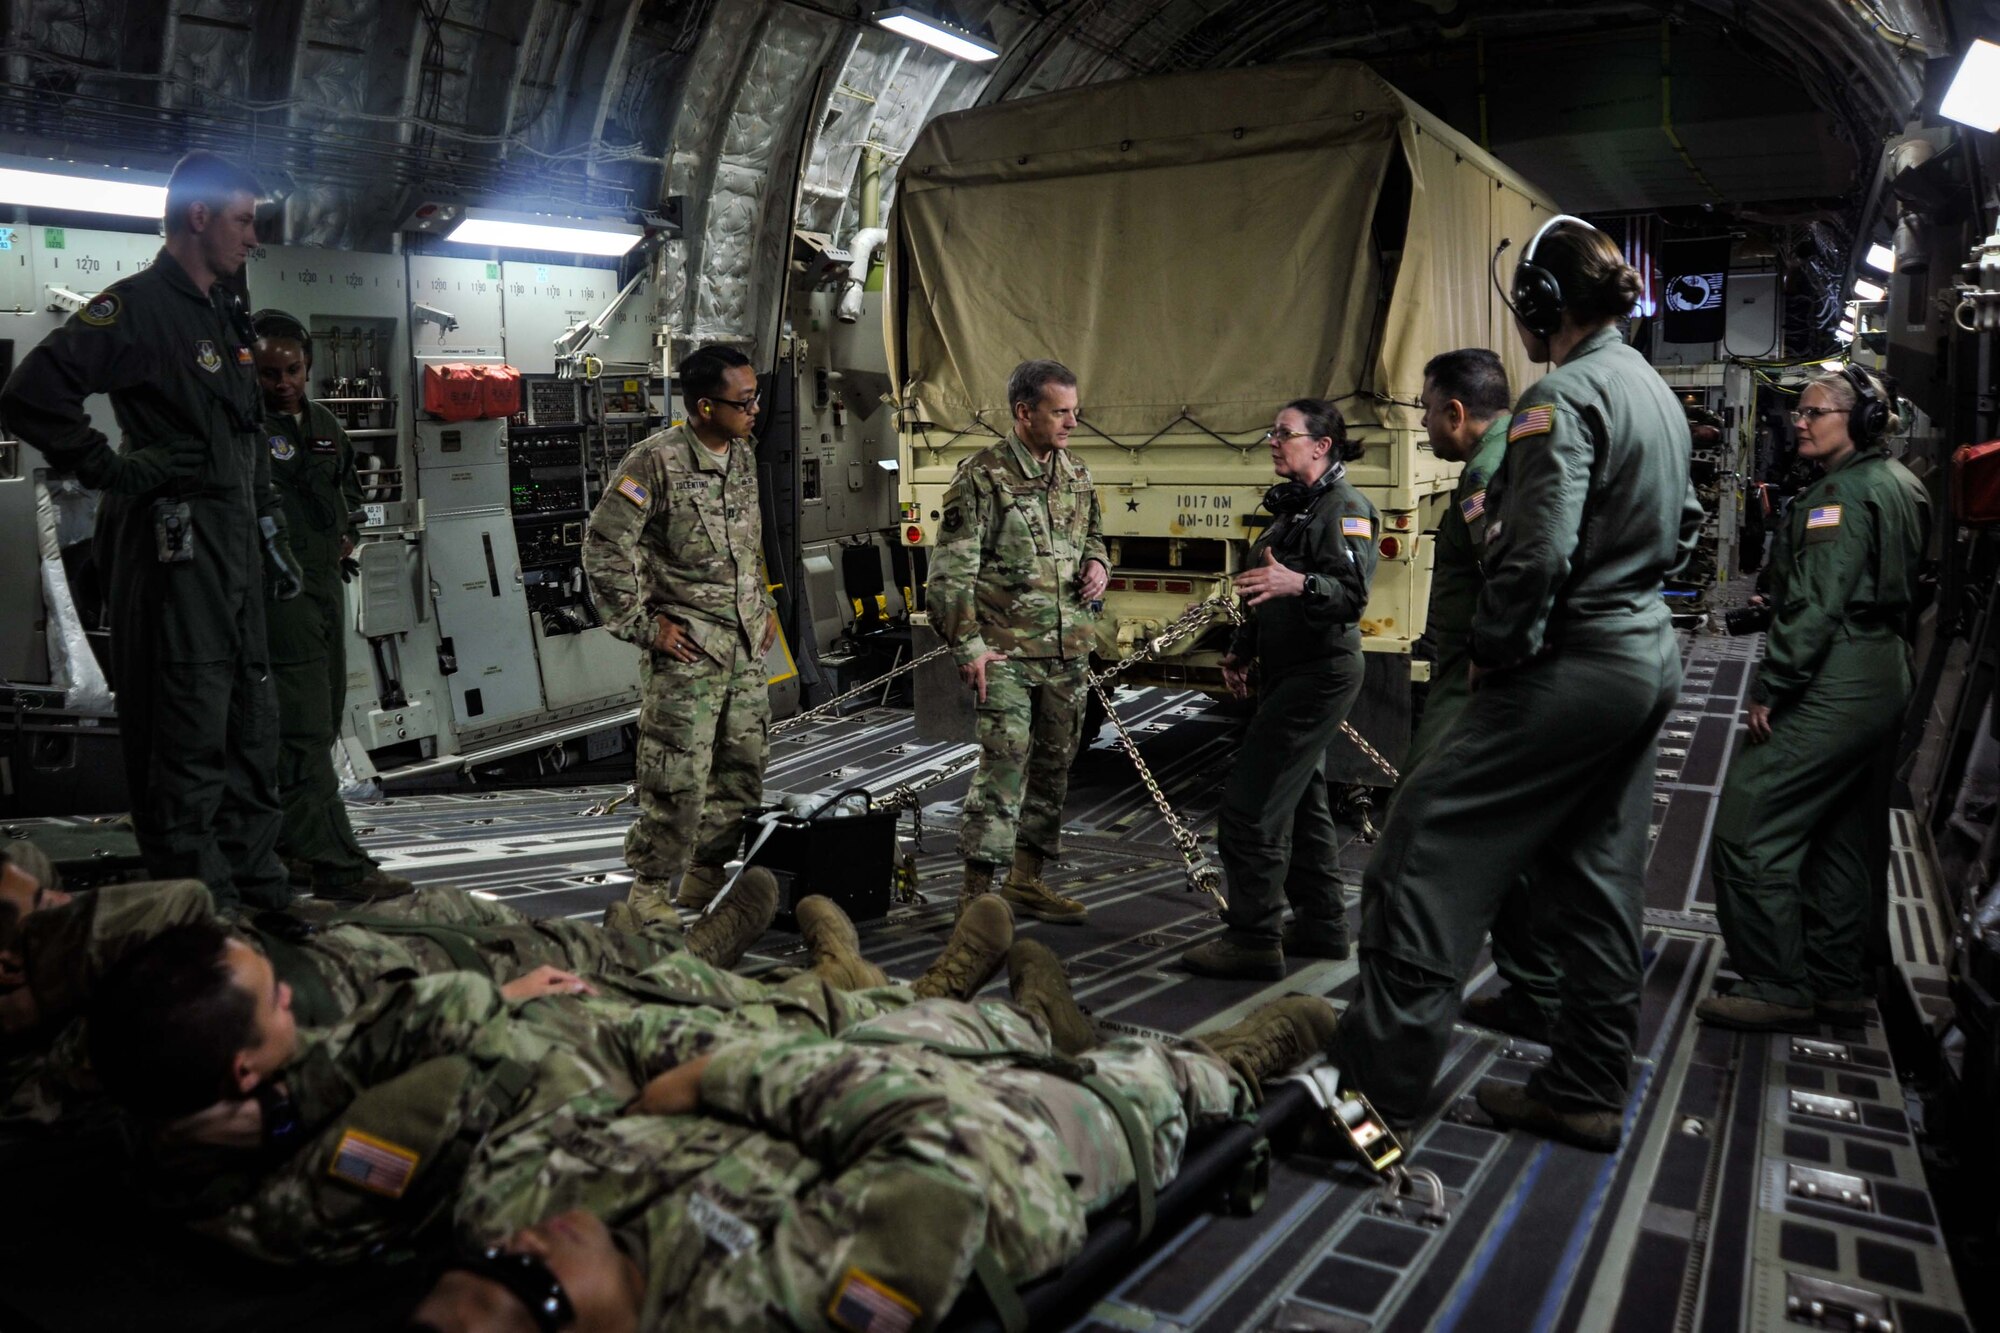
[1694, 277]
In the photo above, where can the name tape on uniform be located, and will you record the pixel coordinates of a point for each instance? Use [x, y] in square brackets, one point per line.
[1473, 505]
[863, 1304]
[1352, 526]
[720, 1225]
[1535, 421]
[1823, 516]
[634, 492]
[376, 1165]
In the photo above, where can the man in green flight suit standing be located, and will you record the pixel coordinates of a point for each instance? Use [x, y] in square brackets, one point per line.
[1550, 771]
[675, 558]
[1019, 561]
[312, 467]
[1465, 414]
[189, 537]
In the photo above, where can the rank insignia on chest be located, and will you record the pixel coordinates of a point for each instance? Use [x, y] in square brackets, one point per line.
[376, 1165]
[1535, 421]
[864, 1304]
[242, 356]
[282, 448]
[1473, 505]
[206, 356]
[1823, 516]
[634, 492]
[325, 447]
[1352, 526]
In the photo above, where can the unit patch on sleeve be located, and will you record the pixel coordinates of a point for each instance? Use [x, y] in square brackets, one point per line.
[862, 1304]
[376, 1165]
[1473, 505]
[1352, 525]
[634, 492]
[1535, 421]
[953, 519]
[1823, 516]
[101, 312]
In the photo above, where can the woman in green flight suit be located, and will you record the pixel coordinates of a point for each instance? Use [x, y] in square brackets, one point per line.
[1305, 583]
[1804, 800]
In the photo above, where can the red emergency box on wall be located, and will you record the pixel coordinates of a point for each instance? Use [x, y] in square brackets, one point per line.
[454, 392]
[1975, 483]
[500, 390]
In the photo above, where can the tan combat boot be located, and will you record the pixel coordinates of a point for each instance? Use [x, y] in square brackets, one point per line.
[1025, 892]
[1035, 976]
[721, 936]
[1512, 1105]
[835, 948]
[700, 884]
[649, 903]
[977, 948]
[1281, 1036]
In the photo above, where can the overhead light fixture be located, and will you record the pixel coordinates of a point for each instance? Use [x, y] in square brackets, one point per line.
[1881, 258]
[1974, 96]
[1867, 290]
[544, 231]
[913, 22]
[74, 189]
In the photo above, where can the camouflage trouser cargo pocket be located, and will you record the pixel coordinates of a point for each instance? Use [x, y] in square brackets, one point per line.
[700, 766]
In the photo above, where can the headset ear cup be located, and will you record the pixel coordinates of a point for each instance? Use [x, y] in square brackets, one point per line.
[1537, 299]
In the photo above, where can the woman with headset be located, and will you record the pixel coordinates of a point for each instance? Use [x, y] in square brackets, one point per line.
[1808, 795]
[1549, 771]
[1305, 584]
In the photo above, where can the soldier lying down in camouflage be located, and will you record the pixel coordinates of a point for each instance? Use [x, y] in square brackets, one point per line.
[332, 960]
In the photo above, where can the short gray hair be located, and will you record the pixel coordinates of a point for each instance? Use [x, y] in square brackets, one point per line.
[1025, 385]
[1840, 392]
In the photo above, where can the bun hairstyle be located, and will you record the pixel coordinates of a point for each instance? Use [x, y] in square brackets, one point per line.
[1324, 419]
[1596, 282]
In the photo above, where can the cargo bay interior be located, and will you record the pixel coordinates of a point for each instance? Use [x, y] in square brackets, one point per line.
[807, 181]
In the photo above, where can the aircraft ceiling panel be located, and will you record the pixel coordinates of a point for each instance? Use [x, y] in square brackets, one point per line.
[468, 290]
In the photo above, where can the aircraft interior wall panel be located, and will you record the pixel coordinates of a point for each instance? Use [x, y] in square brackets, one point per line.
[592, 664]
[19, 293]
[469, 291]
[462, 467]
[23, 647]
[542, 301]
[483, 610]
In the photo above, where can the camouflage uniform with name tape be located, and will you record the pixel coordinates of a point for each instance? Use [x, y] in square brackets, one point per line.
[1016, 535]
[679, 533]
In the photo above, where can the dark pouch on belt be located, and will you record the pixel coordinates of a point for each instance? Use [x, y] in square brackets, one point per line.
[173, 531]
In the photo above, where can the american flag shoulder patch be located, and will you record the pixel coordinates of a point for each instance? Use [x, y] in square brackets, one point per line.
[1352, 525]
[376, 1165]
[1473, 505]
[1535, 421]
[1823, 516]
[634, 492]
[861, 1304]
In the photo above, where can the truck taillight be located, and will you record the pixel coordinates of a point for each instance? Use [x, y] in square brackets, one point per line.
[1114, 585]
[1179, 585]
[1390, 547]
[914, 534]
[1145, 585]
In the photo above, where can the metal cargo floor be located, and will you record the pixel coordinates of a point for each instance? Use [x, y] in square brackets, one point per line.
[1757, 1170]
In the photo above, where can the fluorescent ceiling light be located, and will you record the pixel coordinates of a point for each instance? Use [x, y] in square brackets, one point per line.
[912, 22]
[123, 196]
[1974, 96]
[542, 231]
[1867, 290]
[1881, 258]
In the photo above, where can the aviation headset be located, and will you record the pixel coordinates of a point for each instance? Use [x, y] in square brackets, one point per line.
[1868, 419]
[274, 323]
[1537, 298]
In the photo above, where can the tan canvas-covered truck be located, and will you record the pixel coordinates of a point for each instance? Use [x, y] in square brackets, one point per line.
[1200, 249]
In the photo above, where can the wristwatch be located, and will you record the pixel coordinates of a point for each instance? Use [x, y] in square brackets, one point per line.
[1316, 589]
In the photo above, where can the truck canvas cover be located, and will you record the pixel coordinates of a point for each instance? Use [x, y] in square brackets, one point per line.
[1207, 242]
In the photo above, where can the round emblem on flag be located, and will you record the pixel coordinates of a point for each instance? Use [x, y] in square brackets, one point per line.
[282, 448]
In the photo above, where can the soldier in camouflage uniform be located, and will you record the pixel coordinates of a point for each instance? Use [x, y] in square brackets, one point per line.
[333, 961]
[675, 560]
[1020, 560]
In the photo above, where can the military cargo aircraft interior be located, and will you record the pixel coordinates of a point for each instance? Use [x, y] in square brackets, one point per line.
[1152, 665]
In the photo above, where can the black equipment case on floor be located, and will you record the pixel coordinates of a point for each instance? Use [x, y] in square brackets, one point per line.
[850, 858]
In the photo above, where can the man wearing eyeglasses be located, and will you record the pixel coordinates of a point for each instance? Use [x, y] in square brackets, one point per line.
[1020, 560]
[675, 559]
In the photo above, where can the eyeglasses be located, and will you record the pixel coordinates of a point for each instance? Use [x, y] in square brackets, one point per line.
[1276, 436]
[1813, 414]
[528, 1280]
[740, 404]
